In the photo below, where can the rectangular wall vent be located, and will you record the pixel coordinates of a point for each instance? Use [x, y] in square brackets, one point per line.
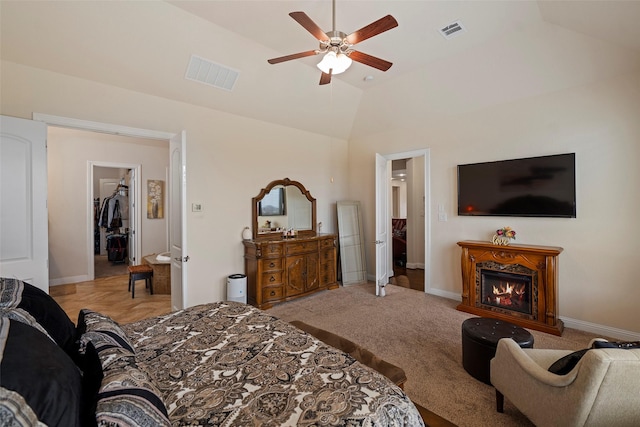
[452, 30]
[212, 74]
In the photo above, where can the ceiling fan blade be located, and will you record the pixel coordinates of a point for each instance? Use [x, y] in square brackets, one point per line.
[304, 20]
[373, 29]
[371, 61]
[325, 78]
[292, 56]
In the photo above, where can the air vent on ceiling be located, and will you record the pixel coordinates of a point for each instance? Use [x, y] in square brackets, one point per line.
[452, 30]
[208, 72]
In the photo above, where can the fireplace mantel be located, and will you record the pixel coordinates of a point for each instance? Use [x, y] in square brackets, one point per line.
[542, 261]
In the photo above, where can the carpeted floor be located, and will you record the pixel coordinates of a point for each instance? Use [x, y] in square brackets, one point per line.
[422, 334]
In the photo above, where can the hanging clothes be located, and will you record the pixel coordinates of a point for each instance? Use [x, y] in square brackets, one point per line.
[114, 209]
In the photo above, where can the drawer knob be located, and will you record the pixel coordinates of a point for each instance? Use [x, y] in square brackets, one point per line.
[272, 279]
[273, 264]
[273, 293]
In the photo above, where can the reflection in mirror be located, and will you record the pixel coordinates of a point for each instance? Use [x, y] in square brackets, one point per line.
[283, 205]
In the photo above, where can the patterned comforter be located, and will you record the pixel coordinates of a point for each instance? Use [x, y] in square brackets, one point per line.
[230, 364]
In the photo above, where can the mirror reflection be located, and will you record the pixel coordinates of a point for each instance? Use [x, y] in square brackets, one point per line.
[283, 205]
[284, 208]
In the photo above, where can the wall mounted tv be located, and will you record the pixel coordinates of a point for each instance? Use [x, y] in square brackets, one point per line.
[531, 187]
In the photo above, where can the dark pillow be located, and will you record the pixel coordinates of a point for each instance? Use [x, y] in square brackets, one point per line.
[127, 398]
[565, 364]
[111, 334]
[626, 345]
[43, 374]
[18, 294]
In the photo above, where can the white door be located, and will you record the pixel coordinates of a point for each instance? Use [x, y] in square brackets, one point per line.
[177, 219]
[383, 255]
[24, 241]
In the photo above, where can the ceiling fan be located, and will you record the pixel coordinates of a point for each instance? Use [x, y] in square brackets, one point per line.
[338, 46]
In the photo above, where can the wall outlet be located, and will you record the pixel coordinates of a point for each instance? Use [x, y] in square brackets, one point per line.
[196, 207]
[442, 216]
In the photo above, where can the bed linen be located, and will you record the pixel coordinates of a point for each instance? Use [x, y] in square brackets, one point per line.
[230, 364]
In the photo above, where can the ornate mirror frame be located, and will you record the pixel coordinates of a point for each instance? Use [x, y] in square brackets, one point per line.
[284, 182]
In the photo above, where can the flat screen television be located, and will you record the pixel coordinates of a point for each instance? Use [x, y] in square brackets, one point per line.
[530, 187]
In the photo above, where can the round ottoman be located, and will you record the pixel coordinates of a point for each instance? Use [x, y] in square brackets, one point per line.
[480, 338]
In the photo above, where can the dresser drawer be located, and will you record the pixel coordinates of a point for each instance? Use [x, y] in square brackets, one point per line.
[272, 278]
[327, 243]
[268, 265]
[271, 250]
[294, 248]
[272, 293]
[327, 275]
[326, 256]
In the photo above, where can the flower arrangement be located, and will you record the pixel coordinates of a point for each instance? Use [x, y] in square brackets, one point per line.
[506, 232]
[503, 236]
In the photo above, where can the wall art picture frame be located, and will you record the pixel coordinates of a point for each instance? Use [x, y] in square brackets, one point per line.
[155, 199]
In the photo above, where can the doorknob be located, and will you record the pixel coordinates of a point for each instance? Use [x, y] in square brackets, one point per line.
[185, 259]
[379, 242]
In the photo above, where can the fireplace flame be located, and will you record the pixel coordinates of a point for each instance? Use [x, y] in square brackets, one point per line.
[504, 293]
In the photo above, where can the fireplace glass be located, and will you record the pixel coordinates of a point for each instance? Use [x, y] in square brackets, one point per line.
[506, 290]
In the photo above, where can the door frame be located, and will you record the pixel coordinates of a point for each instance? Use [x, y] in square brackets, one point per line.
[427, 205]
[68, 122]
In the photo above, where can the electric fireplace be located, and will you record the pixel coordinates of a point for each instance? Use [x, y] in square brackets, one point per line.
[515, 283]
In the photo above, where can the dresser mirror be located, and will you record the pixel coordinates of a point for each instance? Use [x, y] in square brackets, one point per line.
[283, 205]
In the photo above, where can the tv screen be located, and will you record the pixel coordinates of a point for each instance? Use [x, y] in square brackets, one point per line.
[535, 187]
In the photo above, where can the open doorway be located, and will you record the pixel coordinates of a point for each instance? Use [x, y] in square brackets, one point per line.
[407, 230]
[114, 219]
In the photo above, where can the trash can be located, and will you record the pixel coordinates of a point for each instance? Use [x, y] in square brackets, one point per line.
[237, 288]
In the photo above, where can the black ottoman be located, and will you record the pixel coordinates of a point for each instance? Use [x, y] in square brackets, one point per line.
[480, 338]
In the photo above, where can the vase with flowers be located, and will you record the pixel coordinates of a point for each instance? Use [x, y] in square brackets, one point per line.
[503, 236]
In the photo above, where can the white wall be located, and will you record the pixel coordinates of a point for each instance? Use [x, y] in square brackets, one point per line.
[229, 159]
[68, 155]
[599, 122]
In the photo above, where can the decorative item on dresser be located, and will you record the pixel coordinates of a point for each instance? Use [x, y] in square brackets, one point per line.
[280, 267]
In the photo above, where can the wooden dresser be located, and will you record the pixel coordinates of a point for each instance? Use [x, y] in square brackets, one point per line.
[282, 269]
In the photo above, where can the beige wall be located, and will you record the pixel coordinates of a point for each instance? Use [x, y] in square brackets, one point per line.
[68, 155]
[599, 122]
[229, 160]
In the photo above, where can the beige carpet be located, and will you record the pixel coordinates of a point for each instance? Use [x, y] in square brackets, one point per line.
[422, 334]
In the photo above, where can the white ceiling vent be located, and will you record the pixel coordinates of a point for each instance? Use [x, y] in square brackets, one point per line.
[452, 30]
[212, 74]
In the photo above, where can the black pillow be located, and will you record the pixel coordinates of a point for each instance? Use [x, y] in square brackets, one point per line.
[626, 345]
[38, 370]
[43, 308]
[565, 364]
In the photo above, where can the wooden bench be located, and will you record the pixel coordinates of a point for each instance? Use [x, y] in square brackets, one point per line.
[362, 355]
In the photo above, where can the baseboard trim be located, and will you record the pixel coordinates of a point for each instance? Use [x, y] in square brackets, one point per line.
[602, 330]
[67, 280]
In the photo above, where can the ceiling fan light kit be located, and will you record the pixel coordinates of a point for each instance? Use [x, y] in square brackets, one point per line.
[333, 63]
[337, 46]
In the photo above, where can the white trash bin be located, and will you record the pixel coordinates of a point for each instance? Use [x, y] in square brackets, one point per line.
[237, 288]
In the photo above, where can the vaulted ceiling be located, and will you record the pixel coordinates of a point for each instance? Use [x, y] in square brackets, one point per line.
[145, 46]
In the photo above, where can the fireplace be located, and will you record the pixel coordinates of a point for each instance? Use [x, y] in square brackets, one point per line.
[516, 283]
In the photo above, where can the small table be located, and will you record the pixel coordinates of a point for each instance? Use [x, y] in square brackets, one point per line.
[161, 274]
[480, 336]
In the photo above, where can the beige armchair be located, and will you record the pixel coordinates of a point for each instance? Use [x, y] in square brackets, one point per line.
[603, 389]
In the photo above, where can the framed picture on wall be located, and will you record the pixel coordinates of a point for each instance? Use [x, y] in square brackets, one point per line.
[155, 199]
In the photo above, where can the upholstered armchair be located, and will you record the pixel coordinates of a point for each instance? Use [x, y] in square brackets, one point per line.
[603, 389]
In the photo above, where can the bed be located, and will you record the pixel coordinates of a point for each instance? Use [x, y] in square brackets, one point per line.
[220, 364]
